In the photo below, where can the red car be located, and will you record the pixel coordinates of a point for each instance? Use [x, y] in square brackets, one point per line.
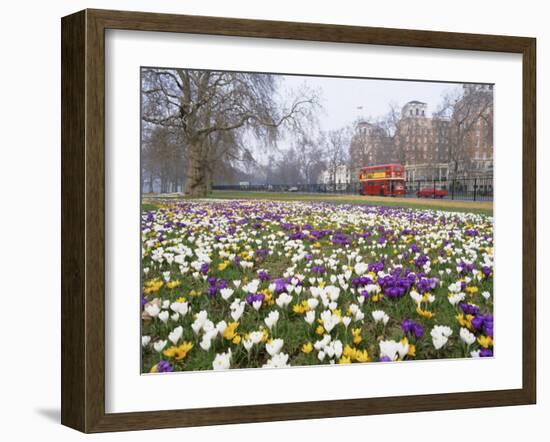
[430, 192]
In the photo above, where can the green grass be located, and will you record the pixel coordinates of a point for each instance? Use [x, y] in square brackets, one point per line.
[481, 207]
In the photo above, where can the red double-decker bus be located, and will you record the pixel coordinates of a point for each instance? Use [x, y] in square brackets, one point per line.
[382, 180]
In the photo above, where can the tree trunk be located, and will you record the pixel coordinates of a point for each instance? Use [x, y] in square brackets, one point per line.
[209, 180]
[195, 184]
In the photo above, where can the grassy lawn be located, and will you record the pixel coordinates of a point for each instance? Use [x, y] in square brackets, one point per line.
[482, 207]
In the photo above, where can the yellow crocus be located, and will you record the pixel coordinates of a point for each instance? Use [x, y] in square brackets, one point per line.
[180, 352]
[356, 333]
[230, 331]
[300, 308]
[425, 313]
[361, 356]
[173, 284]
[307, 347]
[485, 341]
[223, 265]
[472, 290]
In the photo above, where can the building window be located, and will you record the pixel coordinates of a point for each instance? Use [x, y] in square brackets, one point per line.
[417, 111]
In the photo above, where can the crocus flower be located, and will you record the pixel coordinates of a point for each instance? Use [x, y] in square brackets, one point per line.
[164, 367]
[440, 335]
[222, 361]
[271, 319]
[466, 336]
[159, 345]
[380, 316]
[175, 335]
[274, 346]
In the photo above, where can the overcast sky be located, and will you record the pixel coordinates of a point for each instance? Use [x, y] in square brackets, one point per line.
[344, 100]
[341, 98]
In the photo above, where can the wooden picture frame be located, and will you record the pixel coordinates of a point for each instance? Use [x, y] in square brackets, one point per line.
[83, 219]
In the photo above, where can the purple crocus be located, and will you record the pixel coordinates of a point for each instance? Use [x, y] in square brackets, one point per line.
[164, 367]
[412, 328]
[486, 353]
[318, 269]
[469, 309]
[251, 298]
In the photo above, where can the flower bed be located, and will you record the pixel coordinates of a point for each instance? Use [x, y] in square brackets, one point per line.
[242, 284]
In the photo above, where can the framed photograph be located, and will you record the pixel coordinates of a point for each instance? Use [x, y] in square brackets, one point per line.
[267, 221]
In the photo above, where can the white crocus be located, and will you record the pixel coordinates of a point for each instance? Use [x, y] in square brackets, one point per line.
[274, 346]
[164, 315]
[256, 337]
[159, 345]
[333, 292]
[152, 310]
[360, 268]
[237, 310]
[380, 316]
[466, 336]
[222, 361]
[417, 297]
[221, 326]
[145, 340]
[283, 300]
[393, 350]
[252, 286]
[455, 298]
[208, 337]
[271, 319]
[440, 335]
[247, 343]
[312, 303]
[226, 293]
[330, 320]
[200, 321]
[280, 360]
[310, 316]
[175, 335]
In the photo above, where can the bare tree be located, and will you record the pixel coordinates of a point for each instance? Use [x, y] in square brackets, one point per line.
[337, 150]
[206, 106]
[162, 159]
[310, 154]
[465, 112]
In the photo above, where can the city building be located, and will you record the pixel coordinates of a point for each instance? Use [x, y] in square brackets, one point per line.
[369, 145]
[336, 179]
[423, 143]
[456, 144]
